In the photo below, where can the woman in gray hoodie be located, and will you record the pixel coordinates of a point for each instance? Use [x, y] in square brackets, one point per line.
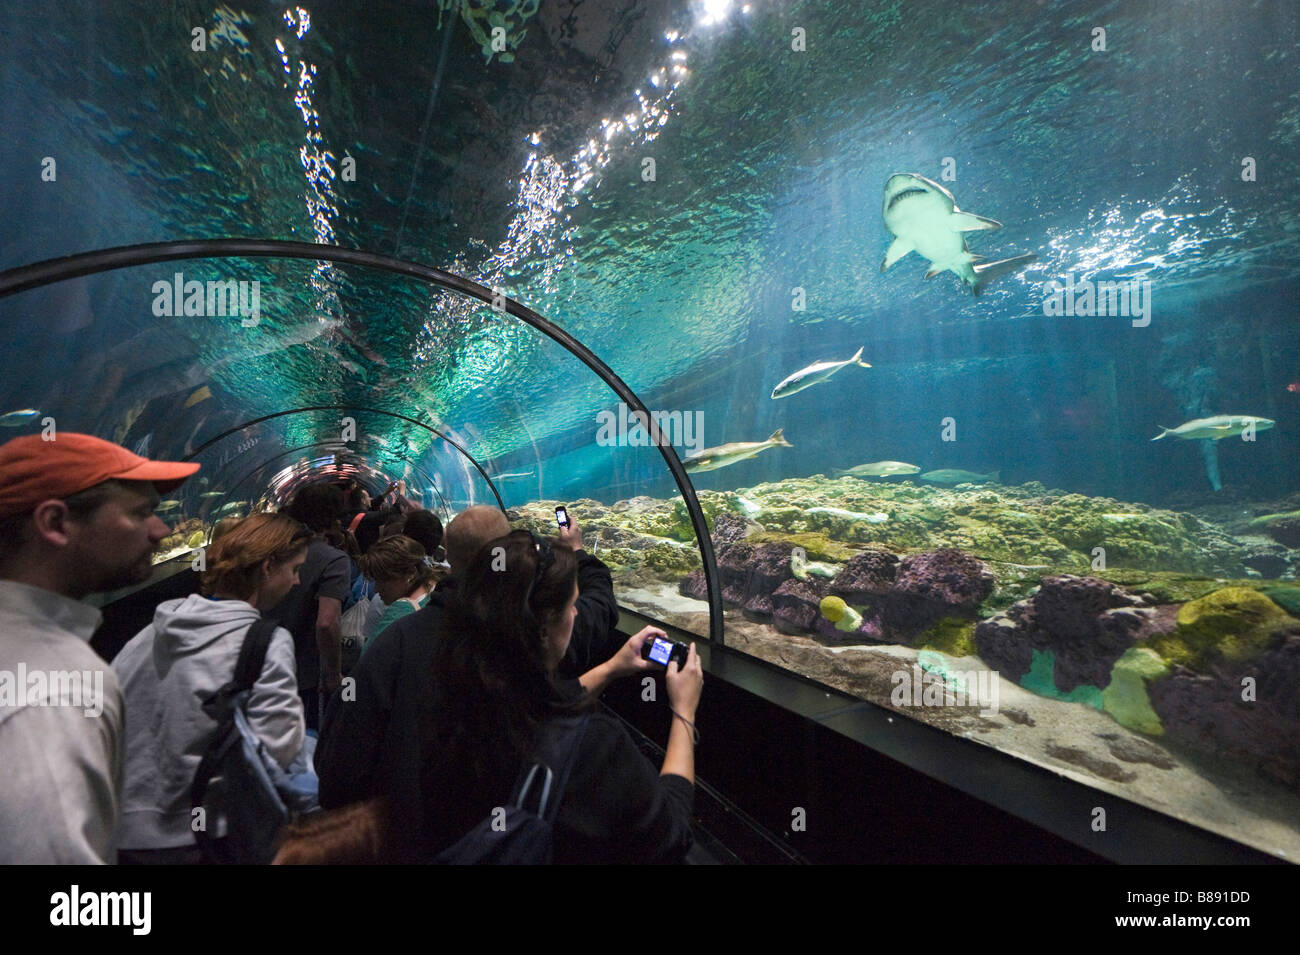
[188, 651]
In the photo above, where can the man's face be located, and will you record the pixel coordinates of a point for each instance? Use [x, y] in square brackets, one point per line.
[114, 545]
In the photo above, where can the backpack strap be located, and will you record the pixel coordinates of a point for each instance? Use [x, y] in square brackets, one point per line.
[252, 656]
[556, 750]
[356, 522]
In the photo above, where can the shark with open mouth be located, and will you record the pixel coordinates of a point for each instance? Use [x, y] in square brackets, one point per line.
[924, 218]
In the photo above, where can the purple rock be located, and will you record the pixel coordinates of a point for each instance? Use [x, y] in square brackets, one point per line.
[796, 604]
[729, 528]
[933, 585]
[1085, 622]
[866, 575]
[1206, 711]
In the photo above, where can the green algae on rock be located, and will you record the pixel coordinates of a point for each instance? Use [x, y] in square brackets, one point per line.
[951, 635]
[1126, 697]
[1234, 624]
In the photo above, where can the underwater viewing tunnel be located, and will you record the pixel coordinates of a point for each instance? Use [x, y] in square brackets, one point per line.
[995, 567]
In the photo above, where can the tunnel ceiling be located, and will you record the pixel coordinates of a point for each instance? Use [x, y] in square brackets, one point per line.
[527, 171]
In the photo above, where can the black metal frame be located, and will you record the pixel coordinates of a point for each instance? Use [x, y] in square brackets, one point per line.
[446, 510]
[37, 274]
[391, 414]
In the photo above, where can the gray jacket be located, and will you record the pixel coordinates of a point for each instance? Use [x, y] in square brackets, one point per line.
[165, 671]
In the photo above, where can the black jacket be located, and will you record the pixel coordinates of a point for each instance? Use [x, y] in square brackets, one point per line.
[370, 741]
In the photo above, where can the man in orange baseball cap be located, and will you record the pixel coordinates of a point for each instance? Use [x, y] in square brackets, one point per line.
[76, 518]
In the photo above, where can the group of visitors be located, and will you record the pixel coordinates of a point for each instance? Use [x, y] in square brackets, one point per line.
[472, 667]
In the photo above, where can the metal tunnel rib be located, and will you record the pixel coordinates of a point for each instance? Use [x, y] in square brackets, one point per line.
[392, 414]
[37, 274]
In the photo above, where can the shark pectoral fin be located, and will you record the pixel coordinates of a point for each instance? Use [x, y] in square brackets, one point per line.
[897, 249]
[934, 270]
[986, 272]
[1210, 451]
[969, 222]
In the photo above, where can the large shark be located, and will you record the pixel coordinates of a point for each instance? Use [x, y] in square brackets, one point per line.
[924, 218]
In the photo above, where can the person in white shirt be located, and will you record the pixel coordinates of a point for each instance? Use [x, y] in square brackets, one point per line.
[76, 518]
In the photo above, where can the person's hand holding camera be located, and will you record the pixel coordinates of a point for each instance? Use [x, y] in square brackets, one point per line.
[685, 684]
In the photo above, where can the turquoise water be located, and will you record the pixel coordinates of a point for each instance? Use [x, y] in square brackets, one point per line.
[695, 192]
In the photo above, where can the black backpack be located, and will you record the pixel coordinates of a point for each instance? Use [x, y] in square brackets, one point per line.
[244, 795]
[523, 835]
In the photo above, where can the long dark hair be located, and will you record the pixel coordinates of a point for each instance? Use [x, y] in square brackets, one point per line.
[491, 683]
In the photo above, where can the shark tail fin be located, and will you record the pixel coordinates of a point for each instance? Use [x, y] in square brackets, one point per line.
[997, 477]
[838, 472]
[986, 272]
[858, 358]
[1163, 431]
[1210, 451]
[779, 438]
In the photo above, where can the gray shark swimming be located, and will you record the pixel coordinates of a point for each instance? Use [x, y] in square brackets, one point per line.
[924, 218]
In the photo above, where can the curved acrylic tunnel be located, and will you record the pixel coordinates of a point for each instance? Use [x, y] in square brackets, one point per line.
[908, 479]
[245, 308]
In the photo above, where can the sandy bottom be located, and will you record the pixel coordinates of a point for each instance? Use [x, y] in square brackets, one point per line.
[1072, 739]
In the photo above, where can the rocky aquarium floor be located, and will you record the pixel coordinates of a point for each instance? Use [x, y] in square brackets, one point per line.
[1152, 654]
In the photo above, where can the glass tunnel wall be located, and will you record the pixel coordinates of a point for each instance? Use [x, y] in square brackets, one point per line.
[1058, 516]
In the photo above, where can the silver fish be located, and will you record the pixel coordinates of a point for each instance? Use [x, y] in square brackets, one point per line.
[1216, 428]
[814, 374]
[710, 459]
[16, 419]
[958, 476]
[878, 469]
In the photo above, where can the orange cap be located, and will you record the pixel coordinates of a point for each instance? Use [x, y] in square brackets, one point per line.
[34, 470]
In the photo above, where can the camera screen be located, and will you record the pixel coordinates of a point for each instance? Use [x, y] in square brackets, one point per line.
[661, 651]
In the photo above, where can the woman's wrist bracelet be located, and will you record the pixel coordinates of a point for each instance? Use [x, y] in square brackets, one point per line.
[695, 734]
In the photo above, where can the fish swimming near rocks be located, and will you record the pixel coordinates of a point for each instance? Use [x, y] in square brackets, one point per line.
[876, 517]
[924, 218]
[211, 494]
[958, 476]
[167, 505]
[710, 459]
[802, 567]
[1216, 428]
[16, 419]
[815, 374]
[877, 469]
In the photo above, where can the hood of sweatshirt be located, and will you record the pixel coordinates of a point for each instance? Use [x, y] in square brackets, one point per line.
[192, 624]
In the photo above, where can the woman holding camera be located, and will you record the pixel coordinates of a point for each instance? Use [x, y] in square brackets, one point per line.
[495, 692]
